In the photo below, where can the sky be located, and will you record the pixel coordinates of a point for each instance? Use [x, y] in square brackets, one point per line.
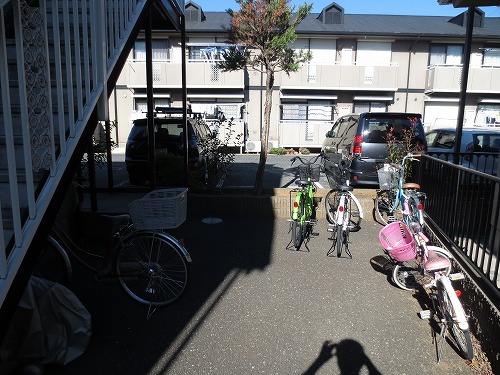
[392, 7]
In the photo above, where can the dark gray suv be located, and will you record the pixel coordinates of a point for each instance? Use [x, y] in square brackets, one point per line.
[364, 136]
[168, 138]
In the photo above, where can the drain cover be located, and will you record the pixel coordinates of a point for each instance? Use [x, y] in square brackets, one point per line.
[211, 220]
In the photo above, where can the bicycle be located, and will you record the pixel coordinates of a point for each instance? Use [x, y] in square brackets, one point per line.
[397, 200]
[416, 264]
[151, 265]
[305, 203]
[343, 210]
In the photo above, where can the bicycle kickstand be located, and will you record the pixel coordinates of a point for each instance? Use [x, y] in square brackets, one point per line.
[443, 339]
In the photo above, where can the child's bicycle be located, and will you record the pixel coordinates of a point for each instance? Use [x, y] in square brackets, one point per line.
[396, 200]
[150, 264]
[415, 264]
[305, 203]
[343, 209]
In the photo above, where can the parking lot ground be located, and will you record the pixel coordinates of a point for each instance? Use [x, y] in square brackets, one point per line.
[254, 307]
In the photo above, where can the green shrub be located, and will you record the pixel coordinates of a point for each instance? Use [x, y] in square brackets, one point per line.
[277, 151]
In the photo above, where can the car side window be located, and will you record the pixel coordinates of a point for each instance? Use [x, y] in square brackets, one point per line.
[445, 140]
[430, 137]
[336, 128]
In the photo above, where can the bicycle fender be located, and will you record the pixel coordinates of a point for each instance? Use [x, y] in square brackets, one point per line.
[356, 201]
[295, 210]
[459, 312]
[175, 241]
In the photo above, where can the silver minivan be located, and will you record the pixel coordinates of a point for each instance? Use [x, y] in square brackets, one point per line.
[364, 137]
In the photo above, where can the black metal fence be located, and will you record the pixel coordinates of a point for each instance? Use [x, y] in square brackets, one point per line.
[463, 206]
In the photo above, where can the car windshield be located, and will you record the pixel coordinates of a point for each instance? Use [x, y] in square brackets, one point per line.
[376, 129]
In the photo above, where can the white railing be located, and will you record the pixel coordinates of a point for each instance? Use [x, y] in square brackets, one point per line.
[55, 60]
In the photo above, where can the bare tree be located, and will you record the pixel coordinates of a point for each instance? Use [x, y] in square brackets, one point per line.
[260, 35]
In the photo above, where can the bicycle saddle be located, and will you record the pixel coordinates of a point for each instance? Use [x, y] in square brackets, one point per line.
[344, 188]
[435, 262]
[303, 182]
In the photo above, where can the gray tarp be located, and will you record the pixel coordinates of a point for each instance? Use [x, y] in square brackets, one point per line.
[50, 326]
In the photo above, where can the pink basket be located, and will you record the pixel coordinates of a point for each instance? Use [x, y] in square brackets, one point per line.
[397, 240]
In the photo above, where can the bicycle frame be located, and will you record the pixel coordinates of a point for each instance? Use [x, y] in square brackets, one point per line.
[402, 199]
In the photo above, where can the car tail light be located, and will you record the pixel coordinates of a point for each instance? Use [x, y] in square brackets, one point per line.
[356, 145]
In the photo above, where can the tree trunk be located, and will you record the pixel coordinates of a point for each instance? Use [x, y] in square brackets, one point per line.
[264, 134]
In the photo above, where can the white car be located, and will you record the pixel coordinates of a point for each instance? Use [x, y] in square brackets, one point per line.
[479, 148]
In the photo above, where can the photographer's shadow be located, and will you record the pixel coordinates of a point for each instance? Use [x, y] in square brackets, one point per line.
[351, 358]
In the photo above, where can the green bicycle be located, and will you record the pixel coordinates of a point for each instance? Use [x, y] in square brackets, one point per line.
[305, 203]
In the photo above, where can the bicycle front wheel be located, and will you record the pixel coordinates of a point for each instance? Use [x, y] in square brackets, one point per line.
[453, 312]
[385, 210]
[407, 274]
[151, 268]
[340, 240]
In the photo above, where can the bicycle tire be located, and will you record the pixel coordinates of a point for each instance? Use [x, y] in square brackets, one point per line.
[407, 274]
[340, 240]
[354, 214]
[331, 205]
[151, 268]
[384, 207]
[53, 263]
[451, 308]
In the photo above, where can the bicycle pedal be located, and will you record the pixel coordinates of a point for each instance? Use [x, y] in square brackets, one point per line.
[391, 219]
[426, 314]
[312, 221]
[456, 276]
[314, 234]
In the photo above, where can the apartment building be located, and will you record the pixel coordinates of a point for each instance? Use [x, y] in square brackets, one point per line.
[360, 63]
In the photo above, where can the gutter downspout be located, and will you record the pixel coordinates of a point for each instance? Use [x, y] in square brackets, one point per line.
[408, 74]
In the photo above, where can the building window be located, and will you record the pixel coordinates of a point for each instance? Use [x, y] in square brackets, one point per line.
[360, 107]
[491, 56]
[445, 54]
[373, 53]
[141, 104]
[206, 53]
[160, 50]
[319, 110]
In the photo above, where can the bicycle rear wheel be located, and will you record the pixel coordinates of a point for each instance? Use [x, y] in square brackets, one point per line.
[331, 205]
[453, 312]
[151, 268]
[385, 212]
[53, 264]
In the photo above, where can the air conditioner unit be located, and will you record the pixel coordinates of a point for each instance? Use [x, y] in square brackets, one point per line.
[272, 144]
[252, 146]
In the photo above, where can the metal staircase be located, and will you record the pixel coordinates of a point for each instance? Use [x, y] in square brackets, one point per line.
[58, 61]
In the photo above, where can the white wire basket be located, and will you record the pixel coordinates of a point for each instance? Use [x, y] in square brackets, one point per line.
[159, 209]
[387, 177]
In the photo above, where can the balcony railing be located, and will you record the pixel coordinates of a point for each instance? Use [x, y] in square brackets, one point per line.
[447, 78]
[343, 76]
[169, 75]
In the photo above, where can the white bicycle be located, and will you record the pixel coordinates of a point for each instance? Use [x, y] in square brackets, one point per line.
[343, 209]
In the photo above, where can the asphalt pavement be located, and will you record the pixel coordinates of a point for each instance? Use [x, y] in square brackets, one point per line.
[255, 306]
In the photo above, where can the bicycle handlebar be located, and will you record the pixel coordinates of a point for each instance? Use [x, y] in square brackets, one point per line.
[311, 161]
